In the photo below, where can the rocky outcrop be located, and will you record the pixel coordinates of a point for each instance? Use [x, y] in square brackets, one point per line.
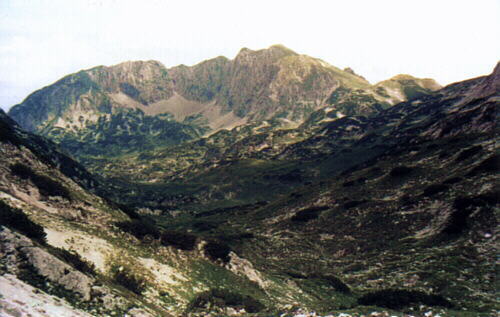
[25, 264]
[21, 251]
[21, 299]
[57, 271]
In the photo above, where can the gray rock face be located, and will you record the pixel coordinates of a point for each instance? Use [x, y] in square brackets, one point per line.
[20, 299]
[19, 250]
[9, 242]
[59, 272]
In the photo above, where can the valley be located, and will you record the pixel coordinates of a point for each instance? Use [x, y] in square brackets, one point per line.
[267, 185]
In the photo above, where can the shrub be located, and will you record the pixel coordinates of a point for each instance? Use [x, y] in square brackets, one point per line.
[348, 183]
[224, 298]
[75, 260]
[335, 282]
[139, 228]
[22, 171]
[217, 251]
[470, 152]
[400, 171]
[17, 220]
[7, 133]
[179, 240]
[296, 275]
[204, 226]
[490, 164]
[434, 189]
[398, 299]
[308, 214]
[46, 186]
[463, 207]
[130, 211]
[123, 276]
[353, 203]
[457, 222]
[49, 187]
[489, 198]
[452, 180]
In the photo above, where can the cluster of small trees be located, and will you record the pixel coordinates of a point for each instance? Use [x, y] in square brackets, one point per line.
[225, 298]
[16, 219]
[143, 229]
[46, 186]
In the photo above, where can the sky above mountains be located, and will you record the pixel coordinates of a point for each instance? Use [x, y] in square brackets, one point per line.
[43, 40]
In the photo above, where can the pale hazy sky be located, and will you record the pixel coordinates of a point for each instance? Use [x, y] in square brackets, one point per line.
[43, 40]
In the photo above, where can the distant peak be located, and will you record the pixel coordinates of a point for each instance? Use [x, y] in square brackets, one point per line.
[245, 50]
[282, 48]
[279, 46]
[274, 50]
[496, 71]
[130, 64]
[403, 77]
[352, 72]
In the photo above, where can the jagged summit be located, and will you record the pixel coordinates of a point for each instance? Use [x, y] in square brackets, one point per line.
[274, 48]
[274, 53]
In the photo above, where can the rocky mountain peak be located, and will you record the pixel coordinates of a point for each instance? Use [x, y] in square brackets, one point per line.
[489, 86]
[137, 66]
[493, 84]
[273, 53]
[351, 71]
[427, 83]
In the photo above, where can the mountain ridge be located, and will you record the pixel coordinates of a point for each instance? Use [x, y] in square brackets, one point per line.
[240, 86]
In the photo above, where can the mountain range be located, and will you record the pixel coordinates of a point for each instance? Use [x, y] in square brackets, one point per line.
[273, 83]
[265, 185]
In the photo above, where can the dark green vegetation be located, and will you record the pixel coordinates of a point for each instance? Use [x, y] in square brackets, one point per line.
[123, 132]
[356, 102]
[223, 298]
[46, 186]
[179, 240]
[16, 219]
[123, 276]
[139, 228]
[397, 299]
[75, 260]
[217, 251]
[308, 214]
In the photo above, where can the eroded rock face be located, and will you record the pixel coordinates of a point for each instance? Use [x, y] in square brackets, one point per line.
[20, 299]
[20, 251]
[9, 242]
[57, 271]
[245, 268]
[21, 259]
